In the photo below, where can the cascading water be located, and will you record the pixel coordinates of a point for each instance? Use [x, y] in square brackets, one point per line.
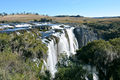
[72, 40]
[52, 57]
[66, 40]
[63, 41]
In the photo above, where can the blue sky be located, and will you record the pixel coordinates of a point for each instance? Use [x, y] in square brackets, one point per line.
[88, 8]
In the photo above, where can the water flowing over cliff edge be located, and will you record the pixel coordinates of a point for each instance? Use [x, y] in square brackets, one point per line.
[66, 39]
[60, 39]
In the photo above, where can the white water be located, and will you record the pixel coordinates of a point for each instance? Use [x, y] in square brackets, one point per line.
[52, 57]
[73, 41]
[91, 70]
[95, 77]
[67, 43]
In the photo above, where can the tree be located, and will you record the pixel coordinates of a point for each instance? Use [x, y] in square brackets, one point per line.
[70, 73]
[103, 55]
[69, 70]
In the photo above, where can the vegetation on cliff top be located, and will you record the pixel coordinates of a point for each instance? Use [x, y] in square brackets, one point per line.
[106, 30]
[21, 56]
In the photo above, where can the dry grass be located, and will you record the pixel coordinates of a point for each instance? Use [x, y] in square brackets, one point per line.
[30, 17]
[85, 20]
[21, 18]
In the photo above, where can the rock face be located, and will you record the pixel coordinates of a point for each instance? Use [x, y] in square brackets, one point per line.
[84, 35]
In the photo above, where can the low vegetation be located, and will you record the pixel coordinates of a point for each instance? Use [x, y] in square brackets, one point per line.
[21, 56]
[106, 30]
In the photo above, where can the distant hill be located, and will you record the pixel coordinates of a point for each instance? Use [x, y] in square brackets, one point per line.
[68, 16]
[106, 17]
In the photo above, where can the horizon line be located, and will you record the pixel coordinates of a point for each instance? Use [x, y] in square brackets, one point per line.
[66, 15]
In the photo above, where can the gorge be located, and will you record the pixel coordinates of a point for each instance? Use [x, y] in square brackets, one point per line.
[46, 44]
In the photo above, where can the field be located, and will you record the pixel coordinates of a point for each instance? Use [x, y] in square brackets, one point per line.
[31, 17]
[21, 18]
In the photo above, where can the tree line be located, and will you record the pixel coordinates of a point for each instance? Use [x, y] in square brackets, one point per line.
[25, 13]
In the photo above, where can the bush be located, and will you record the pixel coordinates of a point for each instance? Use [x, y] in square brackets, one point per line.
[17, 53]
[104, 55]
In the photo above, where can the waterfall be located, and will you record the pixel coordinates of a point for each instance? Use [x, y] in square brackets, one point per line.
[63, 41]
[52, 57]
[73, 41]
[60, 39]
[66, 40]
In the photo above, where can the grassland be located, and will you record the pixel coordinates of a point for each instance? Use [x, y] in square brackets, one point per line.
[85, 20]
[21, 18]
[31, 17]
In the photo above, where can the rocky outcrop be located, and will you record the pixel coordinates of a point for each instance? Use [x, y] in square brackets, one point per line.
[84, 35]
